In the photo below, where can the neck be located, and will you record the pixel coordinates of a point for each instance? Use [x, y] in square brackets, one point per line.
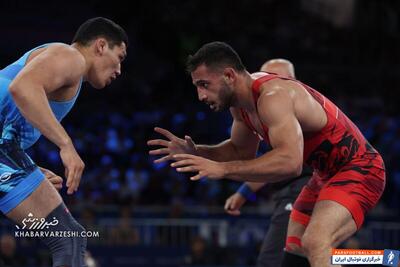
[244, 94]
[85, 53]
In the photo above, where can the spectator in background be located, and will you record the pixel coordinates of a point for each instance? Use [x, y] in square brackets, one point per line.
[8, 252]
[124, 232]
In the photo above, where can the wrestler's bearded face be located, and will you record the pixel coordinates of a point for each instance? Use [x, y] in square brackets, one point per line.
[224, 97]
[212, 89]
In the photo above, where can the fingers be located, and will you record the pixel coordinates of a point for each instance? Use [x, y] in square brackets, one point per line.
[187, 169]
[230, 207]
[233, 212]
[74, 178]
[196, 177]
[189, 140]
[184, 160]
[47, 173]
[184, 156]
[77, 180]
[160, 151]
[227, 204]
[166, 158]
[165, 132]
[56, 181]
[182, 163]
[73, 185]
[70, 182]
[158, 142]
[58, 187]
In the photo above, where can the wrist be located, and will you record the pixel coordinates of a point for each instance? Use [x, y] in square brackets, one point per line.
[65, 142]
[246, 192]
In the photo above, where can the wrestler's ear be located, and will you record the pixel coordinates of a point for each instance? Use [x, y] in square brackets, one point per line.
[229, 75]
[100, 46]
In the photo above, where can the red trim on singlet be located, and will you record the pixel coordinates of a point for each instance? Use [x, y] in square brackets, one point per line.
[257, 83]
[292, 240]
[256, 93]
[311, 139]
[300, 217]
[247, 121]
[345, 200]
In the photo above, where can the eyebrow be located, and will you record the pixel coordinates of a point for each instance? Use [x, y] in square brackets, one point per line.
[200, 81]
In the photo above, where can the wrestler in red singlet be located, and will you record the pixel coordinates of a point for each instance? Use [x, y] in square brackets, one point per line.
[348, 169]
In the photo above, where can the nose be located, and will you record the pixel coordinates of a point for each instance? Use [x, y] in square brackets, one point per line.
[201, 95]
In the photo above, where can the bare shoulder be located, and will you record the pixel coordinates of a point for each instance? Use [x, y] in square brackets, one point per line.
[56, 66]
[66, 55]
[276, 90]
[64, 65]
[276, 99]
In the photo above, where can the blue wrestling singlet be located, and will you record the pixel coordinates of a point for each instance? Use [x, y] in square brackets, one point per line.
[19, 175]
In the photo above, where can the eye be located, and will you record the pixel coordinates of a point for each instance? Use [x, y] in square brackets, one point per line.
[204, 85]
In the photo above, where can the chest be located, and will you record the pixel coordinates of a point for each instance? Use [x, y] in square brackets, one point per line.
[65, 93]
[254, 123]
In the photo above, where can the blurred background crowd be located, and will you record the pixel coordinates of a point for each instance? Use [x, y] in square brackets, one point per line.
[148, 214]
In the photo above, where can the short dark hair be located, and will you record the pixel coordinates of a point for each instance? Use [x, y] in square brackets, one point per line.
[215, 55]
[100, 27]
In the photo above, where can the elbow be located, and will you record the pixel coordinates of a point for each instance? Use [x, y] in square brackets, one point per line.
[13, 88]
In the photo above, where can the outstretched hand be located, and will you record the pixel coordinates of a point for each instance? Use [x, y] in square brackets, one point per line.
[171, 145]
[204, 167]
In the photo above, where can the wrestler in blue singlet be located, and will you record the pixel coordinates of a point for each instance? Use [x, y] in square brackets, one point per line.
[19, 175]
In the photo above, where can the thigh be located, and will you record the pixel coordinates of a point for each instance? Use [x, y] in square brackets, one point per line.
[40, 203]
[357, 191]
[330, 222]
[304, 205]
[19, 175]
[300, 217]
[23, 187]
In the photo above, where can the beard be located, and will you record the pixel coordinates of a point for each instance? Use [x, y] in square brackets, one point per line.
[225, 97]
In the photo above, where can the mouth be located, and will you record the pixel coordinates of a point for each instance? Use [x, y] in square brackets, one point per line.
[212, 105]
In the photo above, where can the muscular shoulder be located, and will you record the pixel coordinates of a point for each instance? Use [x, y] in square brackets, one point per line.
[53, 67]
[276, 100]
[66, 55]
[56, 66]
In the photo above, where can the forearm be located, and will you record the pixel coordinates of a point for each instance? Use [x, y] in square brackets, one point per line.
[35, 108]
[224, 151]
[271, 167]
